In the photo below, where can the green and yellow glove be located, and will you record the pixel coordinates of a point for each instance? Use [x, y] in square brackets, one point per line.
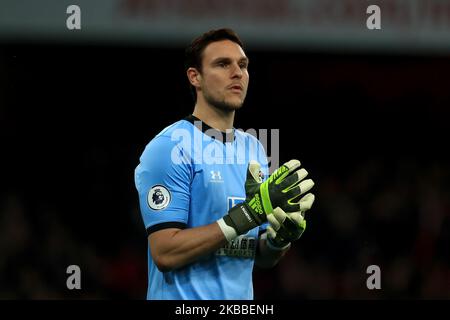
[282, 189]
[286, 227]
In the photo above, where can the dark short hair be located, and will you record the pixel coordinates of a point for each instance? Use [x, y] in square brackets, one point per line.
[194, 52]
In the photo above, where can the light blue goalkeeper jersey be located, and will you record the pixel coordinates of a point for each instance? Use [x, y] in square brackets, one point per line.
[186, 178]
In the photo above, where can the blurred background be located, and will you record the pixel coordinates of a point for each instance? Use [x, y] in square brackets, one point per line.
[367, 113]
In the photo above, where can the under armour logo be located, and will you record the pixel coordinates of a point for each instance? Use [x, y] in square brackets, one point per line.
[215, 175]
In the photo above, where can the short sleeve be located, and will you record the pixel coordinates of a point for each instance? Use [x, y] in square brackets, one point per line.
[262, 159]
[163, 178]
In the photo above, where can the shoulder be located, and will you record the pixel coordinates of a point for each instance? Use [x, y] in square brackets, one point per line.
[174, 129]
[168, 138]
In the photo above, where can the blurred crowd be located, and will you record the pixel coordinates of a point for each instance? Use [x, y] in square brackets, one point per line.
[393, 215]
[38, 246]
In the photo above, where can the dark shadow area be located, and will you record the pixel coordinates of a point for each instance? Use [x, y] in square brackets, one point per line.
[371, 129]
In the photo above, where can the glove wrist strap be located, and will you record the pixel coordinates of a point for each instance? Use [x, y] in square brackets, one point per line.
[241, 218]
[229, 232]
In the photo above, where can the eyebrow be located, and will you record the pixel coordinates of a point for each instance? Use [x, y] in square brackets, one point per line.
[225, 59]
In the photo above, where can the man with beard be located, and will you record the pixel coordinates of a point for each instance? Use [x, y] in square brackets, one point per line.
[203, 199]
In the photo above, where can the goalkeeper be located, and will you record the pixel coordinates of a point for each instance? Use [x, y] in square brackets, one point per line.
[206, 216]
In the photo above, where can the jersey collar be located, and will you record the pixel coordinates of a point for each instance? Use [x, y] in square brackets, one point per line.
[208, 130]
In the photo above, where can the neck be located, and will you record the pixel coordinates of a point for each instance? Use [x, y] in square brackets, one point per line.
[215, 118]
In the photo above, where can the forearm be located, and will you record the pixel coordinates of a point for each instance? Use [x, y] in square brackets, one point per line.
[266, 257]
[181, 247]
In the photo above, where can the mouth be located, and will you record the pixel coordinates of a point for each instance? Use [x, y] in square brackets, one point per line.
[236, 88]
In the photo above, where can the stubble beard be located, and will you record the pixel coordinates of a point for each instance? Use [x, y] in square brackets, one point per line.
[222, 104]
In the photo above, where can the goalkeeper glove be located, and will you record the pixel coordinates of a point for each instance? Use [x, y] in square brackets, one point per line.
[286, 227]
[281, 189]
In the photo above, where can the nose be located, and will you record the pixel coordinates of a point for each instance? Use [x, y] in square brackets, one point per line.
[237, 71]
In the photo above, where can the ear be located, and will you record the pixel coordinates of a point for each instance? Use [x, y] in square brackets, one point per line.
[194, 76]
